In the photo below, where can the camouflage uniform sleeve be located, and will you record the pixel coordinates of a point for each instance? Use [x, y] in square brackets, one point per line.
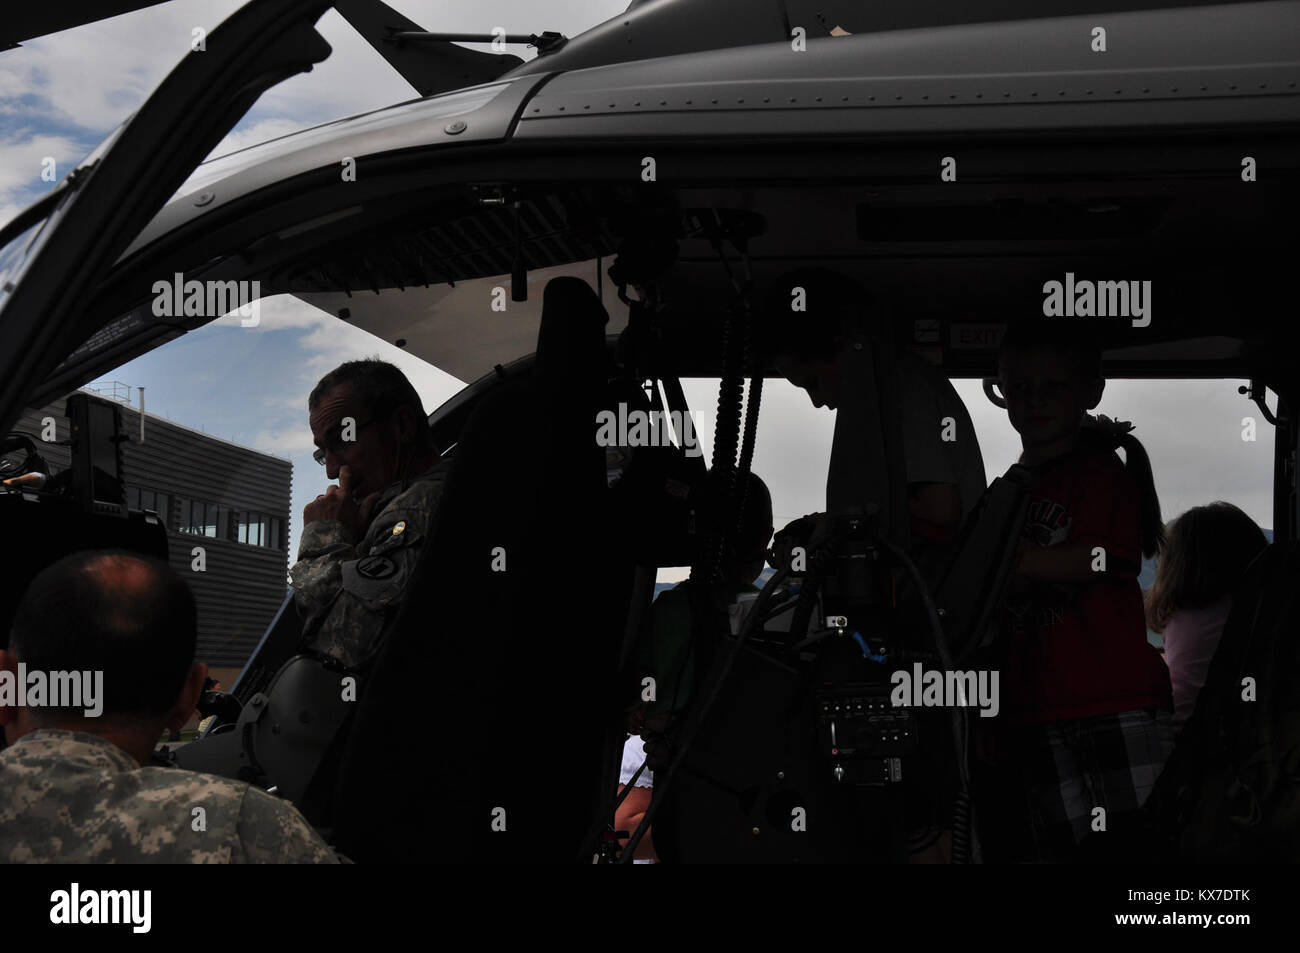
[368, 580]
[324, 548]
[271, 831]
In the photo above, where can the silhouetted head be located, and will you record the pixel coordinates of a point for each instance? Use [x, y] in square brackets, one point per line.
[748, 551]
[808, 316]
[365, 415]
[130, 618]
[1208, 551]
[1049, 371]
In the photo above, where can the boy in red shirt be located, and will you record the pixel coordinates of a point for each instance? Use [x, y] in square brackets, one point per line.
[1088, 706]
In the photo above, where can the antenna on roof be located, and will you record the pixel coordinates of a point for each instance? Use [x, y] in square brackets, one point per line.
[545, 42]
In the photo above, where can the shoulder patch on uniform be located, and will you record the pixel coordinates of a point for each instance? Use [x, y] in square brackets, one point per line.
[399, 528]
[376, 567]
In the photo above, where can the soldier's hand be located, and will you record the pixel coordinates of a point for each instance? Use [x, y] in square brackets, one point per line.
[368, 507]
[336, 504]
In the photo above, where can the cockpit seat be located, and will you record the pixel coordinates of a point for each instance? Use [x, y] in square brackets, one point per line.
[479, 734]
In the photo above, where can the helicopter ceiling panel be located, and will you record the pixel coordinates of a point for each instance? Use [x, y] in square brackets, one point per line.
[466, 330]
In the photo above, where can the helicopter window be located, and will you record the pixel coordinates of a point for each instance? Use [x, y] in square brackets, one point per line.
[224, 456]
[228, 447]
[792, 452]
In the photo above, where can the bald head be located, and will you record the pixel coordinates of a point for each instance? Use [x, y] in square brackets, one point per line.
[124, 583]
[128, 616]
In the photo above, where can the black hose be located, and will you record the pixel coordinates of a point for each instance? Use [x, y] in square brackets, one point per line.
[961, 828]
[961, 834]
[726, 436]
[752, 406]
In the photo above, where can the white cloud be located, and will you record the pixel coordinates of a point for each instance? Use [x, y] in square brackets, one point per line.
[96, 74]
[290, 441]
[24, 156]
[9, 211]
[278, 313]
[327, 341]
[25, 161]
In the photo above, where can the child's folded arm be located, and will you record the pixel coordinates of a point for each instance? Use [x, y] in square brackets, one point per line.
[1105, 519]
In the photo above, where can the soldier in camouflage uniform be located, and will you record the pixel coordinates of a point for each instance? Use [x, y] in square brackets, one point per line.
[75, 797]
[79, 789]
[362, 538]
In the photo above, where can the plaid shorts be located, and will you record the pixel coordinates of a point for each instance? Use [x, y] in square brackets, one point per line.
[1070, 768]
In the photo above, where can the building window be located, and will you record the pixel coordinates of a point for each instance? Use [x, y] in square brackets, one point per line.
[252, 529]
[258, 529]
[198, 518]
[158, 502]
[141, 499]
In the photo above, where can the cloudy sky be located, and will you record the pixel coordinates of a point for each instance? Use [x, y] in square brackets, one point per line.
[61, 95]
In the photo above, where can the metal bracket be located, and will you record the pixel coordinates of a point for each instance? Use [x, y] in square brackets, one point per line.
[493, 193]
[1256, 392]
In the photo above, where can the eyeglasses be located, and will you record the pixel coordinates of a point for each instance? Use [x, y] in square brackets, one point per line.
[333, 442]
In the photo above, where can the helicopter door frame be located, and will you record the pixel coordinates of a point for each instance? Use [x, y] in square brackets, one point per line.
[1286, 464]
[108, 201]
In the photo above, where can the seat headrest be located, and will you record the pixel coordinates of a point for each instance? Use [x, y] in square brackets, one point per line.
[572, 330]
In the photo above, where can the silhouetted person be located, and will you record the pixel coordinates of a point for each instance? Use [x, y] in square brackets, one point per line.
[76, 786]
[1208, 551]
[1087, 700]
[362, 538]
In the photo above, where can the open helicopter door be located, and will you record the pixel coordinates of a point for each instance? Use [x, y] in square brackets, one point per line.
[53, 255]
